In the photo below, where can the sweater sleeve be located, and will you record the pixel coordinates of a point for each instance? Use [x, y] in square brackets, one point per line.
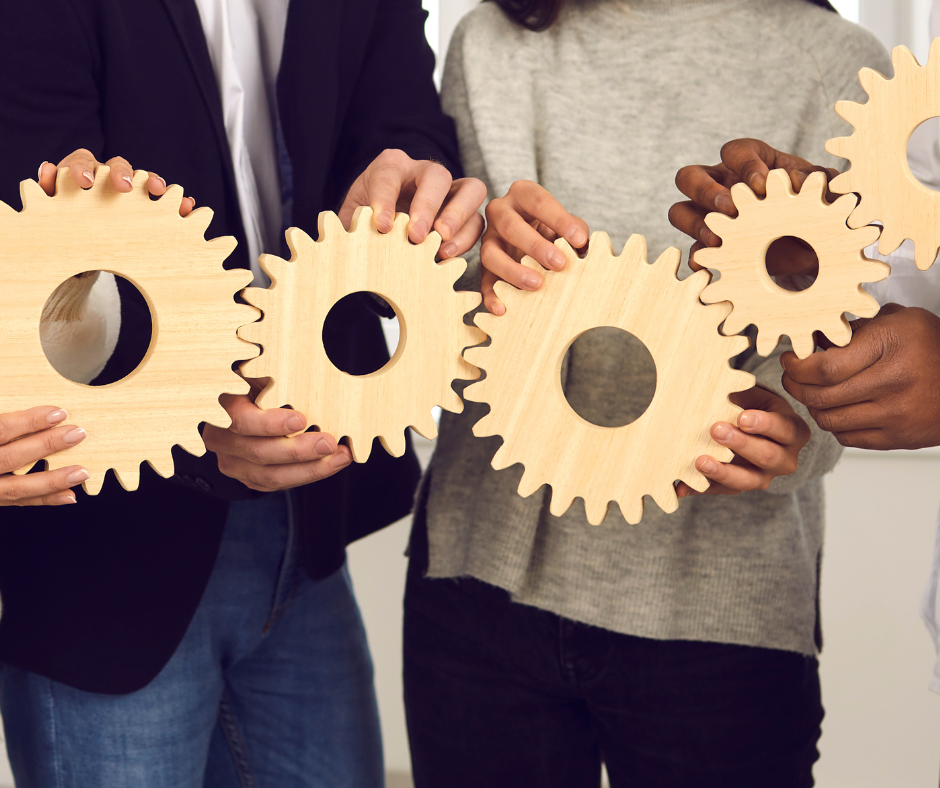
[821, 453]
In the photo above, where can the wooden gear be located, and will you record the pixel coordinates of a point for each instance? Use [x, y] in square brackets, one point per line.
[756, 298]
[180, 274]
[541, 430]
[430, 312]
[877, 149]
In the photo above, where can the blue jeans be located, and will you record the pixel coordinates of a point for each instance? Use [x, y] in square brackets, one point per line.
[271, 687]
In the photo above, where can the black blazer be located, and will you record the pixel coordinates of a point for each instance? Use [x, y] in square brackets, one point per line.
[99, 594]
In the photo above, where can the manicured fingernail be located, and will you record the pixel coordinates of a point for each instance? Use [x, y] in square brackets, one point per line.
[340, 460]
[724, 203]
[748, 420]
[67, 497]
[707, 466]
[294, 424]
[721, 432]
[57, 416]
[73, 436]
[128, 180]
[531, 281]
[448, 250]
[77, 477]
[39, 174]
[89, 176]
[577, 238]
[420, 228]
[323, 447]
[556, 259]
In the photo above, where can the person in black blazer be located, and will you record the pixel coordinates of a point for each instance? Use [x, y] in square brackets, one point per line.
[99, 596]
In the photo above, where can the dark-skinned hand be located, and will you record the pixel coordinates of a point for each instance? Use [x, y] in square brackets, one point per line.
[709, 189]
[882, 390]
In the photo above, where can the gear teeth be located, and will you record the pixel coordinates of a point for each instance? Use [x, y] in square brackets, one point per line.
[779, 184]
[468, 371]
[485, 427]
[433, 243]
[634, 248]
[502, 458]
[669, 261]
[32, 195]
[666, 499]
[219, 417]
[720, 224]
[903, 59]
[814, 187]
[400, 226]
[803, 346]
[476, 356]
[840, 332]
[890, 241]
[275, 268]
[453, 268]
[735, 323]
[451, 402]
[164, 466]
[140, 180]
[743, 197]
[194, 444]
[871, 81]
[631, 509]
[128, 478]
[697, 481]
[767, 342]
[172, 199]
[394, 444]
[850, 111]
[845, 204]
[842, 183]
[469, 300]
[299, 243]
[865, 305]
[473, 336]
[505, 292]
[486, 322]
[560, 503]
[600, 243]
[93, 484]
[329, 225]
[528, 484]
[259, 297]
[924, 256]
[200, 219]
[426, 427]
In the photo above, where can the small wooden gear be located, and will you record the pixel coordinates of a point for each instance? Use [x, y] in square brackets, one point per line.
[430, 312]
[541, 430]
[877, 149]
[191, 298]
[756, 298]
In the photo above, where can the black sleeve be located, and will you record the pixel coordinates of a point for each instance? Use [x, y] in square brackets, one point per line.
[394, 103]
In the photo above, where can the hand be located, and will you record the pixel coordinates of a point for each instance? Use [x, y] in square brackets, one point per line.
[83, 166]
[256, 451]
[525, 222]
[709, 189]
[881, 391]
[427, 192]
[26, 437]
[766, 442]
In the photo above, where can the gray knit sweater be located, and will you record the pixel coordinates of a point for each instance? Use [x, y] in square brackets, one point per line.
[603, 109]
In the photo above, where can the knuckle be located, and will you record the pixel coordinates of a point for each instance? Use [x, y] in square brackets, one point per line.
[254, 452]
[268, 478]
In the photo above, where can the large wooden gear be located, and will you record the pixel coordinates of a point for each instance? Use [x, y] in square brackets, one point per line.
[756, 298]
[541, 430]
[430, 312]
[877, 149]
[191, 298]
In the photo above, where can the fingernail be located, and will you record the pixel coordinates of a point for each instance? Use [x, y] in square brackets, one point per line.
[420, 228]
[57, 416]
[707, 465]
[449, 226]
[497, 309]
[724, 203]
[73, 436]
[39, 172]
[68, 497]
[385, 219]
[128, 179]
[89, 175]
[77, 477]
[340, 460]
[531, 281]
[294, 424]
[706, 236]
[800, 179]
[556, 259]
[757, 182]
[162, 181]
[448, 250]
[748, 420]
[577, 238]
[323, 447]
[721, 432]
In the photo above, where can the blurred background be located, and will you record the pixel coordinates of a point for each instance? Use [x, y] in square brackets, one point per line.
[882, 726]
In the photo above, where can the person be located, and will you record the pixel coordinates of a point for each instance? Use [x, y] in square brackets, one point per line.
[202, 630]
[682, 650]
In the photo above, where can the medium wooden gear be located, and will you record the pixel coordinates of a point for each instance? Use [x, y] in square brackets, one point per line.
[877, 149]
[756, 298]
[541, 430]
[430, 312]
[180, 274]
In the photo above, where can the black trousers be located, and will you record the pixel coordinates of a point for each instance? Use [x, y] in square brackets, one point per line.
[501, 695]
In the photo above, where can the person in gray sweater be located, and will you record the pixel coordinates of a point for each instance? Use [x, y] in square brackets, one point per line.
[680, 651]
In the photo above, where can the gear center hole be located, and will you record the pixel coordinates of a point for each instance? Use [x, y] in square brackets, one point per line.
[608, 377]
[345, 318]
[792, 263]
[96, 328]
[920, 151]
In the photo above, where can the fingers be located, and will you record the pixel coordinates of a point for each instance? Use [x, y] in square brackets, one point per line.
[122, 174]
[838, 364]
[490, 300]
[785, 429]
[750, 160]
[729, 478]
[462, 205]
[506, 224]
[465, 238]
[765, 455]
[26, 422]
[497, 264]
[49, 488]
[688, 218]
[862, 416]
[534, 202]
[32, 448]
[82, 165]
[46, 177]
[272, 450]
[432, 186]
[706, 188]
[249, 419]
[284, 477]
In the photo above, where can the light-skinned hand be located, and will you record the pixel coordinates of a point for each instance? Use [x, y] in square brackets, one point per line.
[527, 221]
[766, 441]
[26, 437]
[882, 390]
[427, 192]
